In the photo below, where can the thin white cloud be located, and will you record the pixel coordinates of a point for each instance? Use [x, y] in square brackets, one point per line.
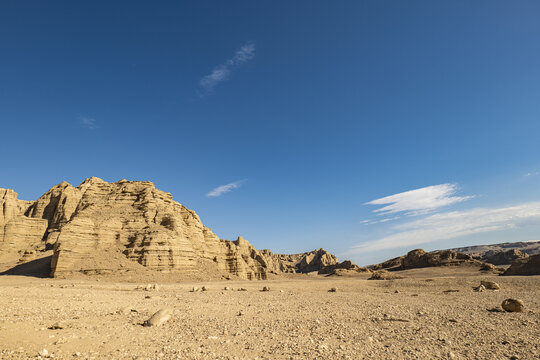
[220, 190]
[449, 225]
[371, 222]
[222, 72]
[419, 201]
[88, 122]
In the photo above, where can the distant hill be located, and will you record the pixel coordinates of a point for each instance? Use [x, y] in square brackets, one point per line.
[503, 253]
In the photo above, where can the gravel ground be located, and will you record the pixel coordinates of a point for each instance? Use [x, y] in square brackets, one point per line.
[430, 314]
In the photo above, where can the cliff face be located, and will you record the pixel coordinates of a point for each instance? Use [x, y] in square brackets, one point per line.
[18, 232]
[101, 227]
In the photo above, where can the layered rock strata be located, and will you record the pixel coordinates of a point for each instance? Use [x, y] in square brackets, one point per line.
[101, 227]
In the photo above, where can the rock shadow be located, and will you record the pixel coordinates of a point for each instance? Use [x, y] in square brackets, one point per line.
[40, 268]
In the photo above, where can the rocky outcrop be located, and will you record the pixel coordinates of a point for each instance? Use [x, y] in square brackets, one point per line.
[420, 259]
[503, 253]
[503, 257]
[18, 233]
[320, 261]
[101, 227]
[343, 267]
[525, 266]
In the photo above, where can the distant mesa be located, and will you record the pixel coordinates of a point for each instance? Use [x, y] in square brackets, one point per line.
[493, 258]
[419, 258]
[129, 227]
[503, 253]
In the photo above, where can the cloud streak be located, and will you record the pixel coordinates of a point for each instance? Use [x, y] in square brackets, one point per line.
[449, 225]
[419, 201]
[222, 72]
[220, 190]
[88, 123]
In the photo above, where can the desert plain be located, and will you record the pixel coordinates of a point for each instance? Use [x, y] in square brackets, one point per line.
[432, 313]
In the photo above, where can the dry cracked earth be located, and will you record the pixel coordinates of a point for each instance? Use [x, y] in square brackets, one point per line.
[430, 314]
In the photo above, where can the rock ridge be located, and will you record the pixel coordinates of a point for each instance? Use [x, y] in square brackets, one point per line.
[125, 226]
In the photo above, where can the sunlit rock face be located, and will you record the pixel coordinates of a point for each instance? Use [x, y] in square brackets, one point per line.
[101, 227]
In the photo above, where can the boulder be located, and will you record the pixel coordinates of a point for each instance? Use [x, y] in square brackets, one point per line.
[490, 285]
[513, 305]
[159, 318]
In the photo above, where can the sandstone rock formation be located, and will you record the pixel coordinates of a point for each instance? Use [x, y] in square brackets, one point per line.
[503, 253]
[503, 257]
[101, 227]
[18, 232]
[419, 259]
[525, 266]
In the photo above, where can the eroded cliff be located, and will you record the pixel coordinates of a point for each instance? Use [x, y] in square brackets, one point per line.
[101, 227]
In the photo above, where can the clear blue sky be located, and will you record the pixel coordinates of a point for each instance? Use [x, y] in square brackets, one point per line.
[303, 111]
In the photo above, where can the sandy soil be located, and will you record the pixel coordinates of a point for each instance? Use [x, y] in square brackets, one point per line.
[411, 318]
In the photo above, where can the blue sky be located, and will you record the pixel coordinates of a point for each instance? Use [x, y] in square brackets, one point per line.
[368, 128]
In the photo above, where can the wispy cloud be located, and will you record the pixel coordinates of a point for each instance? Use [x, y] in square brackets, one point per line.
[419, 201]
[88, 122]
[449, 225]
[378, 221]
[222, 72]
[220, 190]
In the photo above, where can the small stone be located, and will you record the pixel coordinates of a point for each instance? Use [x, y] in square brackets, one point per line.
[265, 288]
[396, 292]
[480, 288]
[204, 288]
[44, 353]
[194, 289]
[159, 318]
[125, 310]
[491, 285]
[334, 289]
[57, 326]
[281, 291]
[151, 287]
[240, 313]
[513, 305]
[242, 289]
[226, 288]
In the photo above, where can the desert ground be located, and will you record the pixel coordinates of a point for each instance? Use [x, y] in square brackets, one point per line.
[430, 314]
